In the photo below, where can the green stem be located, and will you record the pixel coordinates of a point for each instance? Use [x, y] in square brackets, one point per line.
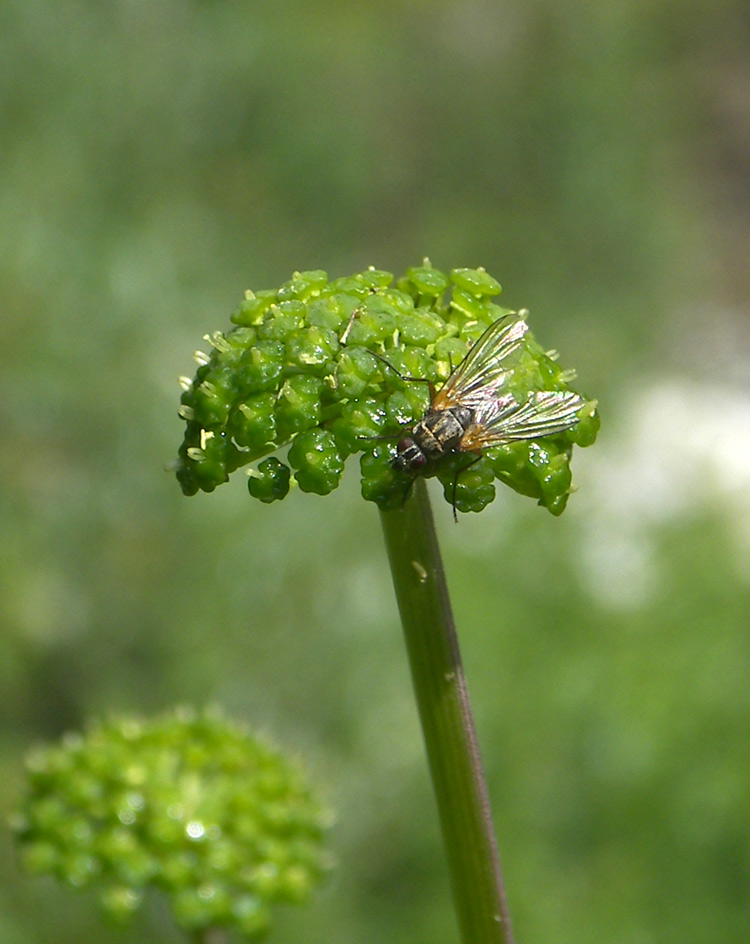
[447, 723]
[212, 936]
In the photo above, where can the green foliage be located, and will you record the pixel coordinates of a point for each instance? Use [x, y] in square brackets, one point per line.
[308, 365]
[190, 804]
[159, 158]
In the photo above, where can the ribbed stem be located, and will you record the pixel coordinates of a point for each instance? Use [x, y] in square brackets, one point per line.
[447, 723]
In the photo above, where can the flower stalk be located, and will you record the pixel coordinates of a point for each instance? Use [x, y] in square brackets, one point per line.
[447, 723]
[419, 376]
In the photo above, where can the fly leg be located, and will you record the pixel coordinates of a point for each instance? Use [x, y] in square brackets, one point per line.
[416, 380]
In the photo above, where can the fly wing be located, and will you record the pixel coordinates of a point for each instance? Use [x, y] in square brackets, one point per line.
[504, 419]
[483, 370]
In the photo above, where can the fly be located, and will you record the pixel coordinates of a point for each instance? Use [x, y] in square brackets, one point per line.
[470, 412]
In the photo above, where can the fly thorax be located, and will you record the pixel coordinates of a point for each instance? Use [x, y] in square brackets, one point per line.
[441, 430]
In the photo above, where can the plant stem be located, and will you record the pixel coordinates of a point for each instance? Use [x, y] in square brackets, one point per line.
[212, 936]
[447, 724]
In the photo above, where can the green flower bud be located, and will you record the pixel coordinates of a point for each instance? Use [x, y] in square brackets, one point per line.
[475, 282]
[298, 406]
[270, 481]
[303, 285]
[414, 362]
[120, 902]
[189, 804]
[253, 423]
[251, 917]
[361, 421]
[206, 460]
[212, 398]
[326, 367]
[470, 488]
[584, 434]
[405, 407]
[353, 286]
[421, 327]
[467, 306]
[288, 318]
[424, 282]
[253, 309]
[261, 367]
[317, 461]
[371, 325]
[556, 478]
[449, 351]
[327, 312]
[312, 347]
[512, 464]
[354, 372]
[380, 483]
[375, 279]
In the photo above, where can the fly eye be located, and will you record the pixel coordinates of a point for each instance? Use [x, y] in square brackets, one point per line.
[418, 461]
[404, 445]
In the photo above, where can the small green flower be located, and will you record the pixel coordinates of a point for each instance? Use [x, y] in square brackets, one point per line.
[325, 368]
[188, 803]
[317, 461]
[270, 481]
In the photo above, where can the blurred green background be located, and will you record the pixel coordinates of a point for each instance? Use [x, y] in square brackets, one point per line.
[157, 159]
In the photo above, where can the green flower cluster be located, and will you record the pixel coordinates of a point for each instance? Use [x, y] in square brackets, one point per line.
[308, 366]
[190, 804]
